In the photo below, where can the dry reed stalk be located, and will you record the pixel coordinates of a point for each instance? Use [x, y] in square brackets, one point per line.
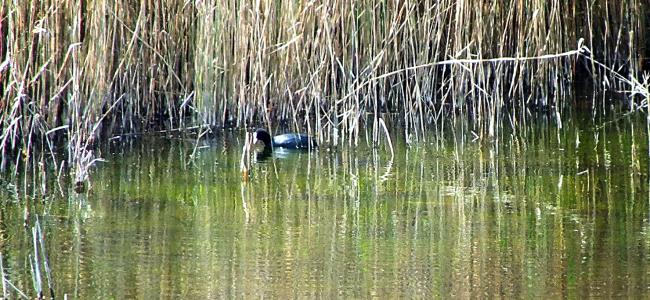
[245, 161]
[331, 68]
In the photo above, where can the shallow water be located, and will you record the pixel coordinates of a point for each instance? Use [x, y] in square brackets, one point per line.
[551, 213]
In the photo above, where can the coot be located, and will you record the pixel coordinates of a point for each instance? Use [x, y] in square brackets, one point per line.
[287, 140]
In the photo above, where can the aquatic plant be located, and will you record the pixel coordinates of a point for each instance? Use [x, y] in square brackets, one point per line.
[79, 73]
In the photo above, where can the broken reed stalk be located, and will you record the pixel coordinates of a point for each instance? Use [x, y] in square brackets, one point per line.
[245, 161]
[571, 53]
[2, 277]
[36, 267]
[636, 86]
[390, 142]
[6, 282]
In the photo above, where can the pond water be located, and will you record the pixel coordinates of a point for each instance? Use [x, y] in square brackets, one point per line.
[550, 213]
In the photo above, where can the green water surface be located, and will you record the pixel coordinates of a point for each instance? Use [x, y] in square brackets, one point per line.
[549, 213]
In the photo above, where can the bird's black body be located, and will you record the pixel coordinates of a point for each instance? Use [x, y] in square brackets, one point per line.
[287, 141]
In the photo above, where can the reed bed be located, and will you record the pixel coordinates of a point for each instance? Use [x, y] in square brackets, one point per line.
[75, 74]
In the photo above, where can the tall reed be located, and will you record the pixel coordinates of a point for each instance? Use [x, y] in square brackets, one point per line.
[75, 73]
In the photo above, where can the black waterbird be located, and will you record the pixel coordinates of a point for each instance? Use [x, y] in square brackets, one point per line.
[287, 140]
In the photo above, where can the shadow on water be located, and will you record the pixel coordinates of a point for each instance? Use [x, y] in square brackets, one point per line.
[266, 155]
[548, 213]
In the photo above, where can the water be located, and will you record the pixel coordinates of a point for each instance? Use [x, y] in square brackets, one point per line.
[551, 213]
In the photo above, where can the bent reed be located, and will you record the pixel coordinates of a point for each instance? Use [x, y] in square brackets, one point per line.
[75, 73]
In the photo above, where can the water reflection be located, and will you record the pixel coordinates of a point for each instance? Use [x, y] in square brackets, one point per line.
[535, 216]
[263, 155]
